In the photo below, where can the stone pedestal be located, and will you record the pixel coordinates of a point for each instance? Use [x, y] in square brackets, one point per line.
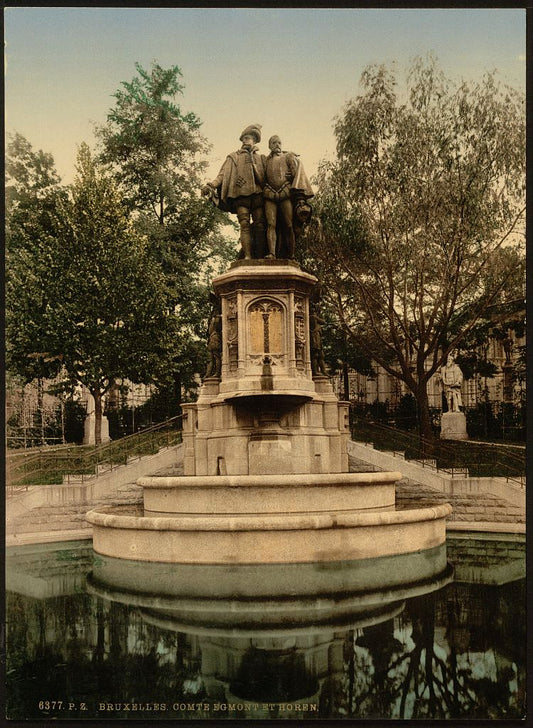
[266, 476]
[88, 429]
[266, 414]
[453, 426]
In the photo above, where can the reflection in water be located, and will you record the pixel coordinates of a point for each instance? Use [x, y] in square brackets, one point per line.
[113, 641]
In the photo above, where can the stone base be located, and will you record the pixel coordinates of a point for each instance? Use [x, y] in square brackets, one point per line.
[266, 539]
[264, 495]
[88, 430]
[453, 426]
[273, 434]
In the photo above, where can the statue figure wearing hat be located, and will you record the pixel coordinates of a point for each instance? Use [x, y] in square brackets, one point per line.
[238, 189]
[286, 191]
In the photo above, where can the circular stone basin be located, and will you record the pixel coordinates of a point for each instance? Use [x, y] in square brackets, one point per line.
[265, 538]
[270, 599]
[269, 495]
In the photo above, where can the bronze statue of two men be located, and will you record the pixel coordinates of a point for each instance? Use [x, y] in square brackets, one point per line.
[269, 195]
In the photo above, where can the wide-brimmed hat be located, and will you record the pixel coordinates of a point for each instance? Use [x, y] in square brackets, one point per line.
[252, 130]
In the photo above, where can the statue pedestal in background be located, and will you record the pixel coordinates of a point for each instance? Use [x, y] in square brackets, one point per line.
[88, 429]
[453, 426]
[88, 425]
[453, 422]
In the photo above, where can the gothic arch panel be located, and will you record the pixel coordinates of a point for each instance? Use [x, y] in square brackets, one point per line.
[265, 325]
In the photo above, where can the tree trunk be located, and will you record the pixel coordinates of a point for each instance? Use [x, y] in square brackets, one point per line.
[161, 208]
[97, 416]
[425, 430]
[40, 407]
[63, 438]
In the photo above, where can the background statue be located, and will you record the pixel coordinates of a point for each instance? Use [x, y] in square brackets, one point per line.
[214, 341]
[238, 189]
[318, 365]
[508, 348]
[452, 378]
[286, 190]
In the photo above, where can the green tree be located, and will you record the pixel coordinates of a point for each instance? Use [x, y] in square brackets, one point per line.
[420, 216]
[33, 187]
[32, 192]
[90, 295]
[155, 151]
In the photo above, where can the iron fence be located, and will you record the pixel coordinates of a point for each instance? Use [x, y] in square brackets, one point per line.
[79, 463]
[460, 459]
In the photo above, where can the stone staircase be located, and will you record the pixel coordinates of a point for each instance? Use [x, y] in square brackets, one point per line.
[67, 521]
[57, 512]
[54, 519]
[483, 507]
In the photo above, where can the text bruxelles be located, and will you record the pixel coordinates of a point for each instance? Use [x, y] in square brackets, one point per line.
[205, 707]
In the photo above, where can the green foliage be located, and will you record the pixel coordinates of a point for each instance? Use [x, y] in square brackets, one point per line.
[74, 414]
[420, 217]
[495, 323]
[90, 296]
[33, 193]
[406, 413]
[505, 421]
[340, 348]
[152, 143]
[154, 151]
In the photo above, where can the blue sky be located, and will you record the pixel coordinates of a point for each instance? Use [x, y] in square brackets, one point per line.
[291, 70]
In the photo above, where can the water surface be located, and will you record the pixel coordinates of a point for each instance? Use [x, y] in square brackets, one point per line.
[96, 638]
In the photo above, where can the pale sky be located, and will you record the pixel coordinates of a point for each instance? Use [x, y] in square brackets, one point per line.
[291, 70]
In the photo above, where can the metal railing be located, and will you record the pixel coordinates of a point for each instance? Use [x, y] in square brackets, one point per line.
[79, 463]
[462, 459]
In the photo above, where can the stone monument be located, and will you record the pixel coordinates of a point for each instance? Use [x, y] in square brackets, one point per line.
[266, 473]
[286, 191]
[453, 422]
[89, 424]
[272, 189]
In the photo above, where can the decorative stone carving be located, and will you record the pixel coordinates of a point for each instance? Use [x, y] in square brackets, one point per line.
[299, 333]
[232, 336]
[266, 332]
[214, 341]
[318, 365]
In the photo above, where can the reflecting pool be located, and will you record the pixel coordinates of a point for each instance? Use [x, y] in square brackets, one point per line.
[434, 635]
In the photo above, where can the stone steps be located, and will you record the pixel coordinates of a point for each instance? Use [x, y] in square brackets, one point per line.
[71, 517]
[467, 507]
[479, 507]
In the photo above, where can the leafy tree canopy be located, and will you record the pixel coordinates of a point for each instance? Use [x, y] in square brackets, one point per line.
[33, 188]
[90, 295]
[155, 151]
[421, 215]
